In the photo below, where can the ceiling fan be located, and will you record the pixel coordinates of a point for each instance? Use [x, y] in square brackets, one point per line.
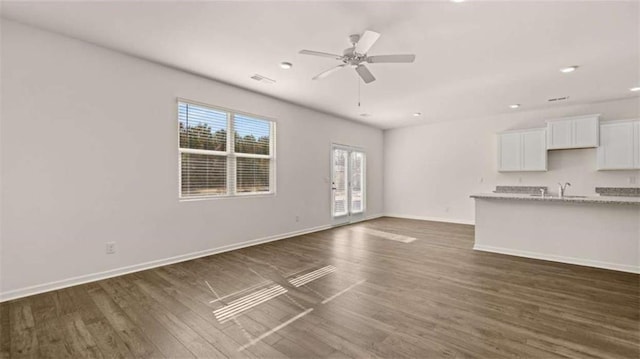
[356, 56]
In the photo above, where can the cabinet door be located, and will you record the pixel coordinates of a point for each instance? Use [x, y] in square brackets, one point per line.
[534, 148]
[616, 146]
[585, 132]
[509, 152]
[559, 134]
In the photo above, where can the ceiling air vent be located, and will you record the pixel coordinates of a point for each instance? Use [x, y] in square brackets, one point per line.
[558, 99]
[261, 78]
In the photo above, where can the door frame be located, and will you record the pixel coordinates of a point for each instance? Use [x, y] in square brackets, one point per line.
[349, 217]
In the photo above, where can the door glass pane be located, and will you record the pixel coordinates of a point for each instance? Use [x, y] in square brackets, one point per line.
[339, 182]
[357, 177]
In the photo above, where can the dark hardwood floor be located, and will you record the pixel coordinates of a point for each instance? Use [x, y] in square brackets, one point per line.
[343, 292]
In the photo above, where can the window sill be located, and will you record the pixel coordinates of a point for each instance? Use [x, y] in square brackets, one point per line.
[208, 198]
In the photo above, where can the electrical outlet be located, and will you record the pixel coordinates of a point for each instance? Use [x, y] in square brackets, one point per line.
[110, 247]
[481, 180]
[632, 180]
[297, 218]
[519, 179]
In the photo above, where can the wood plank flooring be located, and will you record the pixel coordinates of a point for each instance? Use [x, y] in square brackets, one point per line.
[434, 297]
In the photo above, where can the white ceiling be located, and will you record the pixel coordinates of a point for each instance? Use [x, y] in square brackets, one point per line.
[473, 58]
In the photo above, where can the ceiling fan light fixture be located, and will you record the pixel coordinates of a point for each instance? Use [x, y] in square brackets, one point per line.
[286, 65]
[417, 114]
[569, 69]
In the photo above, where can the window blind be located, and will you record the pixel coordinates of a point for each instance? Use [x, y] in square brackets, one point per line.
[202, 128]
[251, 135]
[223, 153]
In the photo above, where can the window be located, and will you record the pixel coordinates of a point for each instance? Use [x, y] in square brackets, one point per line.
[224, 153]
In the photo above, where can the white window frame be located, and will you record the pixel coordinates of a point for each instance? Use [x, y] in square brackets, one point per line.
[229, 154]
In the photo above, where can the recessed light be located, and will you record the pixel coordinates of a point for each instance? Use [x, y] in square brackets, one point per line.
[634, 89]
[457, 1]
[515, 105]
[566, 70]
[286, 65]
[417, 114]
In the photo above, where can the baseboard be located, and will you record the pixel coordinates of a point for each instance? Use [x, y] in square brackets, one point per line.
[434, 219]
[561, 259]
[69, 282]
[41, 288]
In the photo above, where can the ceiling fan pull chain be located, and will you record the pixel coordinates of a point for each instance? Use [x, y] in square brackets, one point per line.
[358, 92]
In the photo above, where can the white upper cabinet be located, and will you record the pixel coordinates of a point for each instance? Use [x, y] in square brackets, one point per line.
[573, 132]
[586, 131]
[619, 145]
[509, 151]
[524, 150]
[559, 134]
[534, 150]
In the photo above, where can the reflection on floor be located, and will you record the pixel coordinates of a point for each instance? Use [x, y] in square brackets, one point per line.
[385, 235]
[232, 308]
[363, 290]
[242, 304]
[311, 276]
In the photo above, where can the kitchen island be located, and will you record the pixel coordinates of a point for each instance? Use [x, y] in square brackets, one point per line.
[595, 231]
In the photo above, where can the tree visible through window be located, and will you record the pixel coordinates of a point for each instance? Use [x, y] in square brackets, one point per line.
[212, 163]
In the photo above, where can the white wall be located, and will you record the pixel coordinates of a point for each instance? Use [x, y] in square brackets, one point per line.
[89, 155]
[431, 170]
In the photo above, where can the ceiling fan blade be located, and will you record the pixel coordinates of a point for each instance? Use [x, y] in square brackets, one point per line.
[366, 41]
[322, 54]
[328, 72]
[366, 75]
[391, 59]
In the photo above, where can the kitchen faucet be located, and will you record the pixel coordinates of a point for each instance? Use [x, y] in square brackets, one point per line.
[562, 188]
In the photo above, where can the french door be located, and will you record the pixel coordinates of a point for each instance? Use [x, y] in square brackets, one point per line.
[348, 180]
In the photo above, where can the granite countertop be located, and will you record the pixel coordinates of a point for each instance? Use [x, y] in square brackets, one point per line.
[568, 198]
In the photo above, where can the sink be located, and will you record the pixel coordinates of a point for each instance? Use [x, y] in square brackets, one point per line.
[548, 196]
